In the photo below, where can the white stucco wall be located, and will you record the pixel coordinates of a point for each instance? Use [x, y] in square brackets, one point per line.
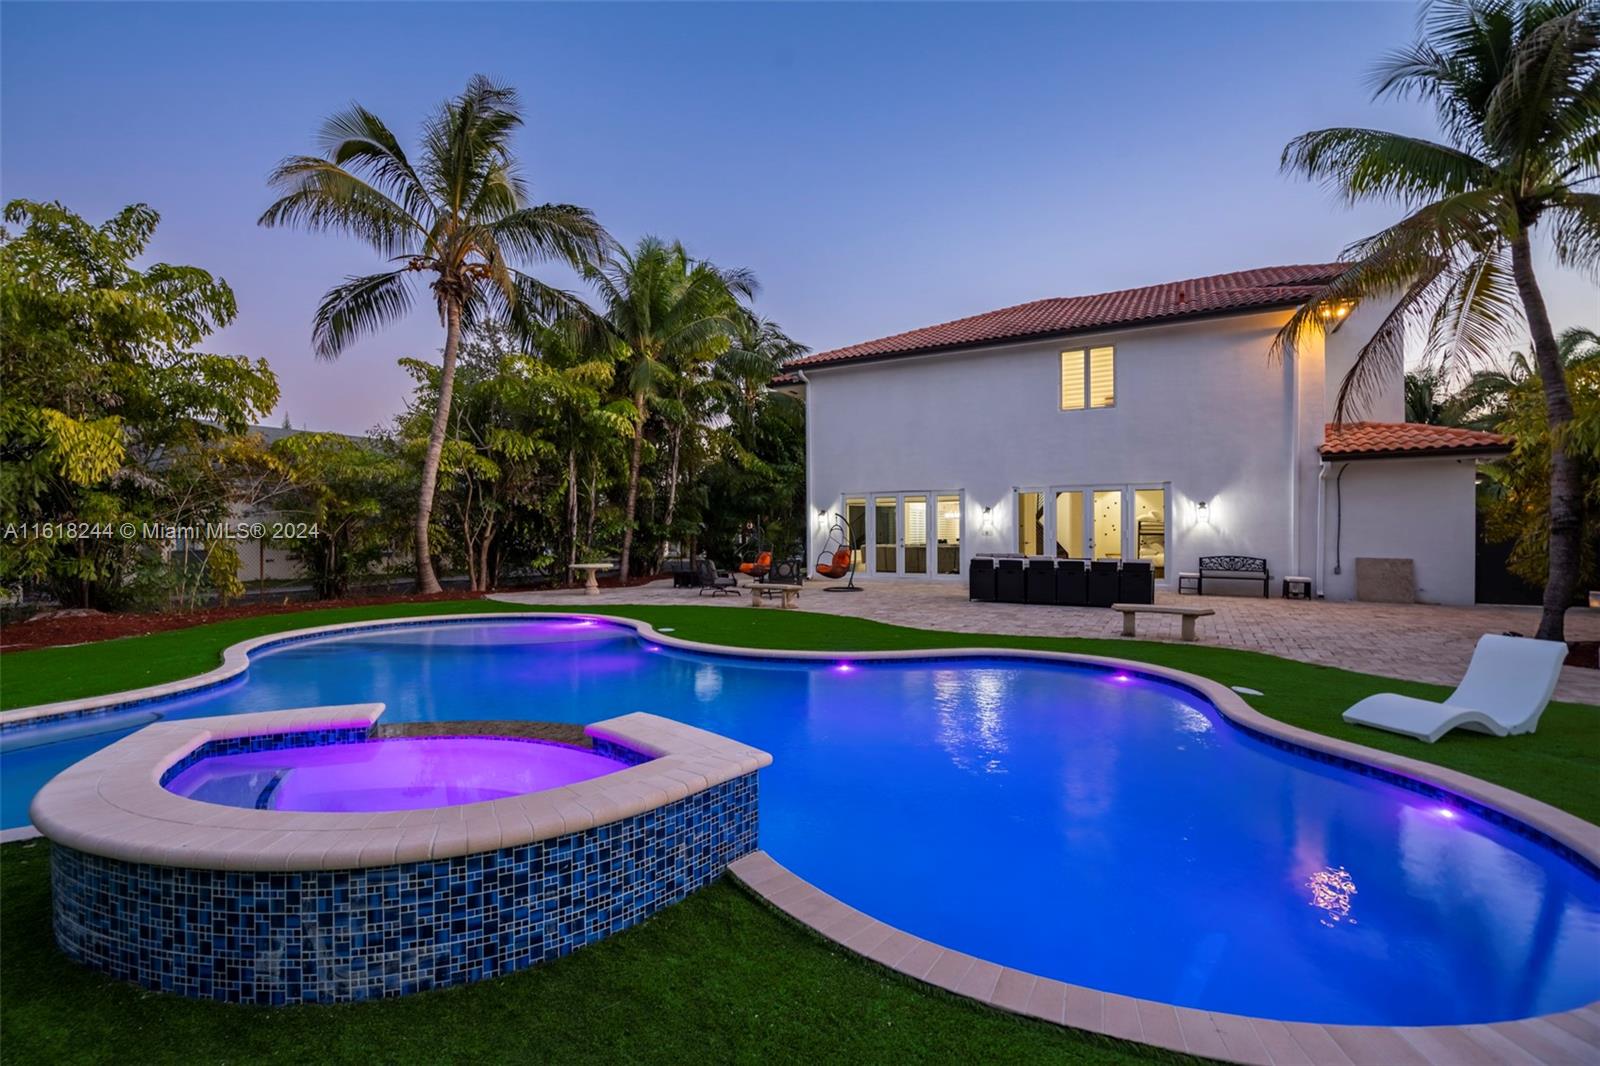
[1200, 410]
[1418, 509]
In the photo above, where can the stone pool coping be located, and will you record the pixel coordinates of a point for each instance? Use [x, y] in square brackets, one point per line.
[113, 804]
[1557, 1038]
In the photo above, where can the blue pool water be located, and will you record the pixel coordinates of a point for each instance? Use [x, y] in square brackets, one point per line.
[1106, 830]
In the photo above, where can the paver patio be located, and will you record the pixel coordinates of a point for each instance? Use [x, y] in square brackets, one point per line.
[1418, 642]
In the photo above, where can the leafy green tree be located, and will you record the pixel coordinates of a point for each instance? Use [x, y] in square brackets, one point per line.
[458, 215]
[1516, 87]
[1485, 397]
[348, 489]
[589, 425]
[108, 413]
[1517, 508]
[663, 308]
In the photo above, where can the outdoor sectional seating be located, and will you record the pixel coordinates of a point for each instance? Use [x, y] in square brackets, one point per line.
[1066, 582]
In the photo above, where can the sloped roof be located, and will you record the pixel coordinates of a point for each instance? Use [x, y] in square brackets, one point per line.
[1385, 440]
[1243, 290]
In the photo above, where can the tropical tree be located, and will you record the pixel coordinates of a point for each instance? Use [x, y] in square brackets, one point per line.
[662, 307]
[1485, 397]
[760, 350]
[458, 216]
[346, 490]
[1516, 500]
[109, 415]
[1516, 87]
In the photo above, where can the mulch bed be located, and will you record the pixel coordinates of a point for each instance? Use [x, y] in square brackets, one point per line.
[57, 628]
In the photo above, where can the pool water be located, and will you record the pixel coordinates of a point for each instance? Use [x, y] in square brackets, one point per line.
[1104, 829]
[387, 775]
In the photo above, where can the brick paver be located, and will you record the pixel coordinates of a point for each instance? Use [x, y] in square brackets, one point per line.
[1414, 641]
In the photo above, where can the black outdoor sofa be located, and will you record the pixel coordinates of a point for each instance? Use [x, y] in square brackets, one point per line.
[1066, 582]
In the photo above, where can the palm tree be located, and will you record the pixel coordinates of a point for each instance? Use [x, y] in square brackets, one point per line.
[459, 215]
[760, 350]
[1485, 398]
[659, 305]
[1516, 86]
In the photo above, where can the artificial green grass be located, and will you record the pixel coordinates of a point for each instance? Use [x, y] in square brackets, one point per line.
[1559, 764]
[716, 978]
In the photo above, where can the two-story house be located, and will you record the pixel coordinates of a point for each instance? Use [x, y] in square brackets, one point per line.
[1143, 424]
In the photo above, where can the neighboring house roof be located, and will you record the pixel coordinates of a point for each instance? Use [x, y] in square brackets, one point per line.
[1244, 290]
[1413, 440]
[783, 381]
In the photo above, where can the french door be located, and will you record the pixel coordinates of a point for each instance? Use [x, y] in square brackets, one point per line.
[915, 534]
[1111, 522]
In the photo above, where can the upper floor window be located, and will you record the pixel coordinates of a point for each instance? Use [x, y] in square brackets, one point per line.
[1088, 378]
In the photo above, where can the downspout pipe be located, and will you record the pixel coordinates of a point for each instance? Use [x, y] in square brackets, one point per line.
[1322, 523]
[1293, 358]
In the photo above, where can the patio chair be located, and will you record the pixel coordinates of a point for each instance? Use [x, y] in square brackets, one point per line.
[1009, 582]
[1103, 582]
[980, 580]
[1136, 583]
[1072, 583]
[1040, 583]
[1508, 684]
[717, 582]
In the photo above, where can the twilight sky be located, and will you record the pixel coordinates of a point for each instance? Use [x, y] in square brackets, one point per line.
[879, 167]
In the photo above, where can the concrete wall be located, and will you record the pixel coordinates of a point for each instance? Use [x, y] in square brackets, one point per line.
[1418, 509]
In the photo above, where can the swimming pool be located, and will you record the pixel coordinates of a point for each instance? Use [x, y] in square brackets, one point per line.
[1104, 828]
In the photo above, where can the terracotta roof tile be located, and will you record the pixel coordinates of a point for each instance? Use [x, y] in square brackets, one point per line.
[1219, 293]
[1373, 440]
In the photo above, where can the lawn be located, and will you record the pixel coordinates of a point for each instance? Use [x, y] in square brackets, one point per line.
[718, 977]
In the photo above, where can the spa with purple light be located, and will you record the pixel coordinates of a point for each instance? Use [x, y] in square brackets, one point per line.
[1102, 824]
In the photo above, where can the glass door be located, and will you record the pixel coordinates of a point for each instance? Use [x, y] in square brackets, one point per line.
[949, 534]
[1106, 523]
[885, 540]
[1150, 529]
[855, 516]
[1071, 536]
[914, 524]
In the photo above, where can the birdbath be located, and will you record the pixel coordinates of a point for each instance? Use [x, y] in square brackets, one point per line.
[591, 587]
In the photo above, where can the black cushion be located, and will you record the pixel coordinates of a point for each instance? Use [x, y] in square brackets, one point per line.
[1041, 581]
[980, 579]
[1009, 582]
[1072, 583]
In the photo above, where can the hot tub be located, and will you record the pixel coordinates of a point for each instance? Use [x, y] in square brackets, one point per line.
[293, 857]
[395, 774]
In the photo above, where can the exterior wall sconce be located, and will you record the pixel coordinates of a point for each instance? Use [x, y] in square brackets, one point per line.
[988, 521]
[1202, 511]
[1334, 314]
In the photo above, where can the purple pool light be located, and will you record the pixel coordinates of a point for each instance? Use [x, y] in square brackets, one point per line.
[843, 668]
[388, 775]
[1123, 678]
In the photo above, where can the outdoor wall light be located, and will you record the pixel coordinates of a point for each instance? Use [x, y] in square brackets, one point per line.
[1202, 511]
[1334, 314]
[988, 520]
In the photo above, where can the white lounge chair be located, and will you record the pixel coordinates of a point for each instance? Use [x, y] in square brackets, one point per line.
[1508, 684]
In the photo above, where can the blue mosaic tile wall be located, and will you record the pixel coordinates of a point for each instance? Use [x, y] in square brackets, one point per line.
[340, 935]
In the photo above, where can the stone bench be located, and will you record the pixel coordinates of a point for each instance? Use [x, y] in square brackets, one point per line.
[1188, 614]
[790, 593]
